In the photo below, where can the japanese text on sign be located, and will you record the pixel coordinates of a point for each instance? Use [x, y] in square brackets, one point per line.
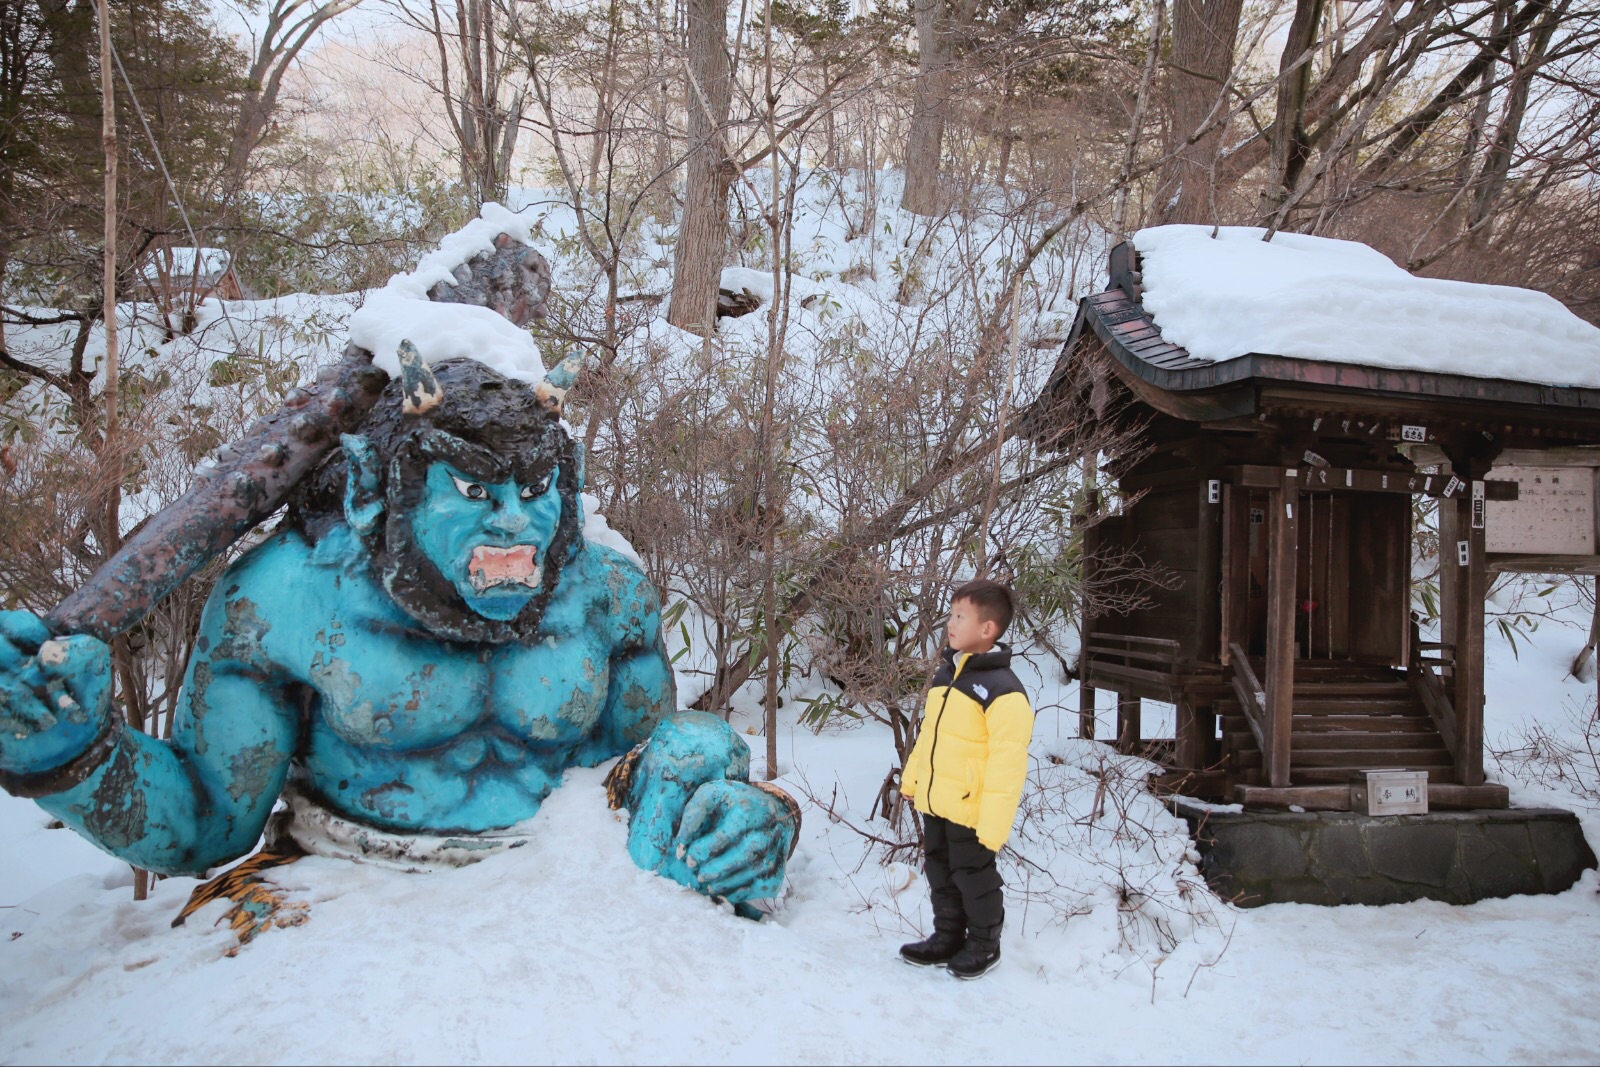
[1553, 514]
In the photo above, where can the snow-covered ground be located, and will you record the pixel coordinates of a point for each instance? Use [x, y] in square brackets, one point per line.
[563, 951]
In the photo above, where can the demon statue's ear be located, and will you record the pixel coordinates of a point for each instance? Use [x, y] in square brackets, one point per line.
[363, 487]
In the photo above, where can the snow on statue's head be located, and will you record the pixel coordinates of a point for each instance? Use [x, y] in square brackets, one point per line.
[466, 505]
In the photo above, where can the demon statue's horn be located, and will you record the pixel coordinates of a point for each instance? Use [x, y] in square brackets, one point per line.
[419, 389]
[251, 478]
[552, 391]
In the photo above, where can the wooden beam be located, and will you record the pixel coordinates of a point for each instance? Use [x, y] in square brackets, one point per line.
[1515, 563]
[1308, 797]
[1441, 795]
[1091, 545]
[1208, 574]
[1432, 455]
[1086, 720]
[1449, 573]
[1357, 480]
[1284, 526]
[1436, 702]
[1131, 685]
[1486, 795]
[1193, 782]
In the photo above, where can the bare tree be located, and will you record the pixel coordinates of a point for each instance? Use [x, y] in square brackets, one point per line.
[484, 97]
[290, 26]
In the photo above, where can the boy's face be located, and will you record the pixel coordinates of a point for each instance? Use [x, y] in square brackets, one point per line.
[967, 631]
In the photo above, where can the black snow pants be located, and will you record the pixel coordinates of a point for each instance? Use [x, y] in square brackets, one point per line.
[963, 879]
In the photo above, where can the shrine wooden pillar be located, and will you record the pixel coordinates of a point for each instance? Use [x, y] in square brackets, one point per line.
[1086, 697]
[1284, 524]
[1461, 603]
[1195, 726]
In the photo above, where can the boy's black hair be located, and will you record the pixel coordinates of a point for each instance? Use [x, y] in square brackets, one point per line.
[992, 600]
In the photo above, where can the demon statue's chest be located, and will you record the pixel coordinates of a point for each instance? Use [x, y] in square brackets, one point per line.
[379, 689]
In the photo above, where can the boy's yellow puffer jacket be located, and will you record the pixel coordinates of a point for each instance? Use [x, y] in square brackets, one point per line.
[971, 755]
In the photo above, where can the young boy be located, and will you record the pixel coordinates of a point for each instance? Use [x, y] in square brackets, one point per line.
[965, 775]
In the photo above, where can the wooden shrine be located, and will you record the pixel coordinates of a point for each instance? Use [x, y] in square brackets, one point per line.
[1279, 494]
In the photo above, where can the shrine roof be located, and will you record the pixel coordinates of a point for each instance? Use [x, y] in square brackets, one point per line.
[1223, 319]
[1226, 292]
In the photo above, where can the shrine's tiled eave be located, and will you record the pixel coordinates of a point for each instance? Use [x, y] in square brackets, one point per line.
[1171, 379]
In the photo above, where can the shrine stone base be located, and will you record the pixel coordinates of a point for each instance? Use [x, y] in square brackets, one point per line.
[1330, 857]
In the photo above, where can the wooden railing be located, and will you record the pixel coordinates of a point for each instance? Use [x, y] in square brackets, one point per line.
[1428, 675]
[1134, 668]
[1251, 696]
[1152, 661]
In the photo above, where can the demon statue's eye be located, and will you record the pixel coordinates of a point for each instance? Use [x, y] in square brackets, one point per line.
[535, 489]
[470, 490]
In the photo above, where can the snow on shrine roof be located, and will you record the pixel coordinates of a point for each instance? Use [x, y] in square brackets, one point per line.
[1315, 298]
[401, 310]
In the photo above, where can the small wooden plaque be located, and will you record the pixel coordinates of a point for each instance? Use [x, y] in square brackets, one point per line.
[1389, 792]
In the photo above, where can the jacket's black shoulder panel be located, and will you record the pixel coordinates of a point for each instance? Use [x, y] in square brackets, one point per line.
[987, 686]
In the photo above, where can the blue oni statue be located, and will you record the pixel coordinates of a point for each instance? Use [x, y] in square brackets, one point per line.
[411, 660]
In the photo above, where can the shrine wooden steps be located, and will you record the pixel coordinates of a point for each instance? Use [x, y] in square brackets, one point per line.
[1346, 718]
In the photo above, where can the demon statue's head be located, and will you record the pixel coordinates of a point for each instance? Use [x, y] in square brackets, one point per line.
[467, 504]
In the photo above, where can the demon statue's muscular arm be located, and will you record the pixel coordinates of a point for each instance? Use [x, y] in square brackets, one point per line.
[176, 807]
[424, 648]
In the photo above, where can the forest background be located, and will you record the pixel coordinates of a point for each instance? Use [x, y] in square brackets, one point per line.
[805, 490]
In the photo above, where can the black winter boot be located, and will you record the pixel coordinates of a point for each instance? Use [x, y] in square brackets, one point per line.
[931, 951]
[979, 956]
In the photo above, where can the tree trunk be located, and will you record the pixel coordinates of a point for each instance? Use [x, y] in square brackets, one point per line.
[1497, 161]
[1287, 137]
[703, 233]
[925, 142]
[1203, 36]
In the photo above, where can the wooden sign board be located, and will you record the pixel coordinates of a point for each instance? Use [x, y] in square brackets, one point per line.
[1553, 515]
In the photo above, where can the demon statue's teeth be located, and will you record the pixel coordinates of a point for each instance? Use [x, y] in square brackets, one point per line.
[516, 565]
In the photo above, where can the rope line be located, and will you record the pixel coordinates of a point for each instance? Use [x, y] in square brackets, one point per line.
[172, 187]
